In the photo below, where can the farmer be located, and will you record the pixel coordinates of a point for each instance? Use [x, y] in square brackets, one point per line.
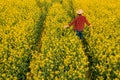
[78, 23]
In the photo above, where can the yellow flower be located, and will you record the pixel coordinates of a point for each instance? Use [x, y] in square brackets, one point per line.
[57, 72]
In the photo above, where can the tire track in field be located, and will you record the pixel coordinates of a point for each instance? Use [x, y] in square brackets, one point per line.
[40, 25]
[87, 49]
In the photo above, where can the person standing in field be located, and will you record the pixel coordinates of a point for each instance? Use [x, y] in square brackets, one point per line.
[79, 23]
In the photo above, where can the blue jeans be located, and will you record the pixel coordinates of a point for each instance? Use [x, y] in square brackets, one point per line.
[79, 33]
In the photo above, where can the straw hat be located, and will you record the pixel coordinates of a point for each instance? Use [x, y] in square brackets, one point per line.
[80, 11]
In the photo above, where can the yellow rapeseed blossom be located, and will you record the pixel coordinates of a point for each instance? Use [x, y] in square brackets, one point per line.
[55, 53]
[17, 27]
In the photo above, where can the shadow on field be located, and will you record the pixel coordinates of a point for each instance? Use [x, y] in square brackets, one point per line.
[88, 50]
[39, 30]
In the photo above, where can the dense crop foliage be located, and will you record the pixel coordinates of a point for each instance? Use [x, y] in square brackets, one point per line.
[18, 20]
[61, 55]
[35, 46]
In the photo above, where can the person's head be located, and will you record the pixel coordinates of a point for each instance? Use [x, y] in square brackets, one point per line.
[79, 12]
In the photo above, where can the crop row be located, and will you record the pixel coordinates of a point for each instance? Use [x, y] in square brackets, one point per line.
[18, 19]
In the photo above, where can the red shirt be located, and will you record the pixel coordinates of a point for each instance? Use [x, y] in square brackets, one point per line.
[79, 22]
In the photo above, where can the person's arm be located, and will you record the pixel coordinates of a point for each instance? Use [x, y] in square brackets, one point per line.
[86, 21]
[91, 30]
[73, 22]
